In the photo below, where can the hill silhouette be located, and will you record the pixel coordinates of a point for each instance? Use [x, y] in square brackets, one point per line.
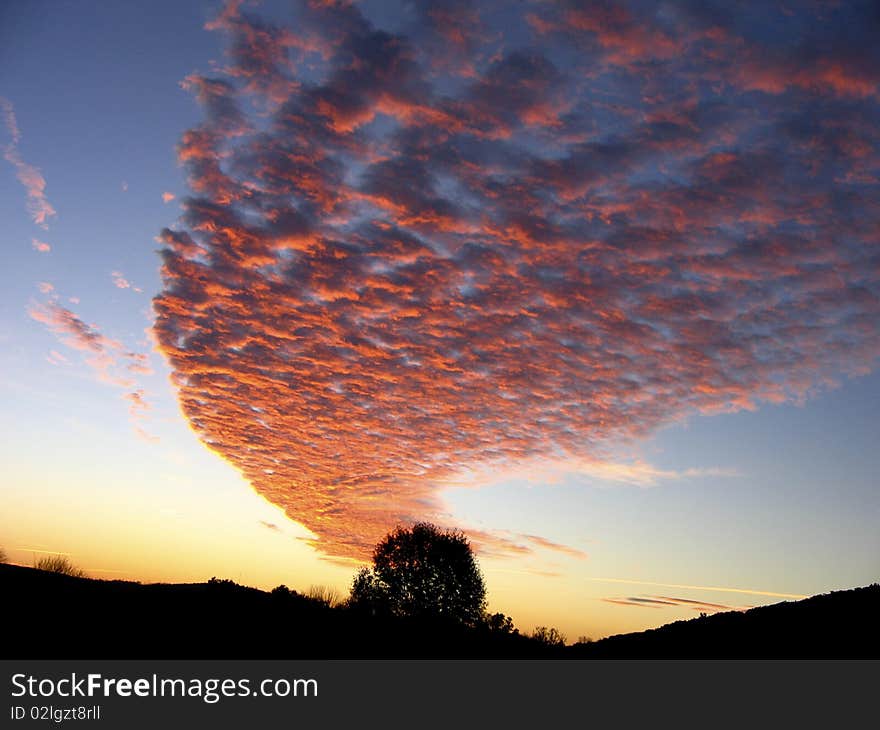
[841, 624]
[49, 615]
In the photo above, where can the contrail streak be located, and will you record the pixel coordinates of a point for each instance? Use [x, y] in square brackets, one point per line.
[699, 588]
[46, 552]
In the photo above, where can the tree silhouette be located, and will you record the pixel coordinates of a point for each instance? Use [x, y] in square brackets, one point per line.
[423, 571]
[500, 624]
[367, 594]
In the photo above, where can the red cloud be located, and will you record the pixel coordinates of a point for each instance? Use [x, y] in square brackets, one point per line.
[398, 275]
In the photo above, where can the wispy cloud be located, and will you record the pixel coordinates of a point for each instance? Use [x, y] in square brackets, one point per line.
[29, 176]
[137, 404]
[545, 544]
[112, 362]
[75, 333]
[510, 234]
[27, 548]
[672, 602]
[121, 282]
[138, 363]
[40, 246]
[549, 470]
[502, 543]
[56, 358]
[642, 474]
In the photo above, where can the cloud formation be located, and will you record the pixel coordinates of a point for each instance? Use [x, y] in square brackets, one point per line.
[29, 176]
[533, 231]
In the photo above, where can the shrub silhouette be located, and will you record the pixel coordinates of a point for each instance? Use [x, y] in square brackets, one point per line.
[324, 594]
[59, 564]
[222, 583]
[3, 556]
[549, 637]
[423, 571]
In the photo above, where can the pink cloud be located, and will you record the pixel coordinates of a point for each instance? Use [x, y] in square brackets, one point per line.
[545, 544]
[138, 363]
[111, 361]
[137, 404]
[56, 358]
[119, 281]
[167, 197]
[29, 176]
[40, 246]
[101, 351]
[76, 333]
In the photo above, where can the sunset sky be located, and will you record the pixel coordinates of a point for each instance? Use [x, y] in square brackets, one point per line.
[596, 282]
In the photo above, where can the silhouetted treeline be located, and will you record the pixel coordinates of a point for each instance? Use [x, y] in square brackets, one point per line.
[48, 615]
[57, 616]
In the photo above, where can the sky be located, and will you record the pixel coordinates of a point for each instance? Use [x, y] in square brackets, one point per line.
[596, 282]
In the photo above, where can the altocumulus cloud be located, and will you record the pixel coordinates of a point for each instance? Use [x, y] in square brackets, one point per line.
[482, 237]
